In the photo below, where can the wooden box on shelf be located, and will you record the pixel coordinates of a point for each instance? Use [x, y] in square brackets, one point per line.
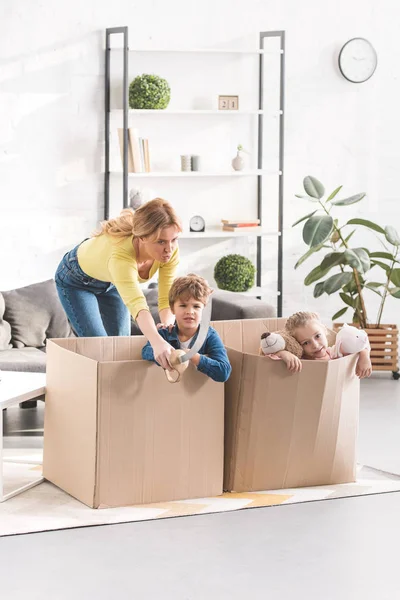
[384, 345]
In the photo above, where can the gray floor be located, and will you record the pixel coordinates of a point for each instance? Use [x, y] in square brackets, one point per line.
[330, 550]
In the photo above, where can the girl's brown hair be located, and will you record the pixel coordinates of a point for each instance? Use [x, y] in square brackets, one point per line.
[146, 221]
[190, 286]
[299, 319]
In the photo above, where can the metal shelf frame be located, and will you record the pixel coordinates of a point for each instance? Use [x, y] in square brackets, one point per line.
[260, 116]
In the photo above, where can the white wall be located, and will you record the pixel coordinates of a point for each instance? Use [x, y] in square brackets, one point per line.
[51, 117]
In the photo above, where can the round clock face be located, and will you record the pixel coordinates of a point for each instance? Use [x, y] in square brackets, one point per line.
[197, 223]
[357, 60]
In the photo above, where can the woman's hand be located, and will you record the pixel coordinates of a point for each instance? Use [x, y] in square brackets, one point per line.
[165, 326]
[162, 351]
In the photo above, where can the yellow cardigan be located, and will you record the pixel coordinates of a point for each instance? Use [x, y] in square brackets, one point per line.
[112, 259]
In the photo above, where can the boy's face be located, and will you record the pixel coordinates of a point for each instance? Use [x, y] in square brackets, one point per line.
[312, 338]
[188, 312]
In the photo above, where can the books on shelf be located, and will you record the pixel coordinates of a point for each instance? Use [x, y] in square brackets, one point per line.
[239, 225]
[138, 151]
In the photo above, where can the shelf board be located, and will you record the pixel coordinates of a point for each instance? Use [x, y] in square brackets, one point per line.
[193, 174]
[202, 51]
[217, 232]
[193, 111]
[259, 291]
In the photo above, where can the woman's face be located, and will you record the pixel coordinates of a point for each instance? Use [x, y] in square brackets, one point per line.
[164, 246]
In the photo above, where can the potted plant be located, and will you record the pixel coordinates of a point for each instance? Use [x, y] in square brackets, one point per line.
[234, 273]
[149, 92]
[351, 272]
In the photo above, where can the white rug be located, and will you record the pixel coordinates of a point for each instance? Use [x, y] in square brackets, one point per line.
[46, 507]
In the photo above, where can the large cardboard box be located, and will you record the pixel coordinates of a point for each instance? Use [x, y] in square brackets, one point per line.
[117, 433]
[284, 430]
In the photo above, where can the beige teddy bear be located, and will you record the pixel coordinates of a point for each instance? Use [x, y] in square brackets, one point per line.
[279, 340]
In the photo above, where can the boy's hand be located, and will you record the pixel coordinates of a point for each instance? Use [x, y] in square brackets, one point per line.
[293, 364]
[363, 367]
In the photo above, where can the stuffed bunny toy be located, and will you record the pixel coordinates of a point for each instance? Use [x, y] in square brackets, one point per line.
[350, 340]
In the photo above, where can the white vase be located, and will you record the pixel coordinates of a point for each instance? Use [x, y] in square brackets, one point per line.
[238, 162]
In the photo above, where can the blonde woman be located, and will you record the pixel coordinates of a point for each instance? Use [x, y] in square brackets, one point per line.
[98, 281]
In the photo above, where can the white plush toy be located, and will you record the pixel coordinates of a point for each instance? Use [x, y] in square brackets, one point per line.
[350, 340]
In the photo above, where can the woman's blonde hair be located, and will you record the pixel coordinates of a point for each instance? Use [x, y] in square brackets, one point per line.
[190, 286]
[299, 319]
[145, 221]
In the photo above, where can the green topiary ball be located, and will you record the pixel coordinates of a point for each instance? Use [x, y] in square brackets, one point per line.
[149, 91]
[235, 273]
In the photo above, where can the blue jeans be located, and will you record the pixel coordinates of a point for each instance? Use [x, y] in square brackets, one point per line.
[93, 307]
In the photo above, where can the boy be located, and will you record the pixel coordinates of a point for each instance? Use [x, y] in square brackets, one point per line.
[187, 298]
[308, 330]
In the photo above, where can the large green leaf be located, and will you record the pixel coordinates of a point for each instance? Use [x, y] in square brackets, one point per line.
[364, 259]
[392, 236]
[319, 289]
[386, 255]
[331, 196]
[308, 254]
[378, 263]
[332, 259]
[350, 200]
[317, 230]
[395, 277]
[339, 313]
[315, 274]
[373, 286]
[304, 218]
[366, 223]
[336, 282]
[347, 299]
[358, 259]
[395, 292]
[313, 187]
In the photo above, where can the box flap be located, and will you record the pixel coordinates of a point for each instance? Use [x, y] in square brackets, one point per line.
[69, 456]
[245, 335]
[105, 348]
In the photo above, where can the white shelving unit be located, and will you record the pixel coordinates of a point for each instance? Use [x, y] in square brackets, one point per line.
[214, 232]
[193, 174]
[259, 172]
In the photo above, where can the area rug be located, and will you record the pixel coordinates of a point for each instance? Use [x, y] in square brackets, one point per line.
[46, 507]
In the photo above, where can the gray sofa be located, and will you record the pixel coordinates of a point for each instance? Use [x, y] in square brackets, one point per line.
[32, 314]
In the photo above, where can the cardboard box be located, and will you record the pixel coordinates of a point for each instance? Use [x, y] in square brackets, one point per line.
[284, 430]
[117, 433]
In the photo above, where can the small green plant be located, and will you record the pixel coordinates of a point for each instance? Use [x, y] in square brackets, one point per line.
[234, 273]
[352, 280]
[149, 92]
[241, 149]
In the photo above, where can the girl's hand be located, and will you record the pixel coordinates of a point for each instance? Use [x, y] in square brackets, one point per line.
[162, 352]
[363, 367]
[293, 364]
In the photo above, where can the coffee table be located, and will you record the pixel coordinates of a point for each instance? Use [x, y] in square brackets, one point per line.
[16, 387]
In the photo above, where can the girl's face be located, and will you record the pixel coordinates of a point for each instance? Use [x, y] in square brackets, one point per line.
[312, 338]
[164, 246]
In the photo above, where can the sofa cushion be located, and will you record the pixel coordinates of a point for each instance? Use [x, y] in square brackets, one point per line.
[31, 360]
[5, 327]
[35, 313]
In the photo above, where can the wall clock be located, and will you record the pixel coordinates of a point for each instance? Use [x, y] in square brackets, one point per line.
[197, 224]
[357, 60]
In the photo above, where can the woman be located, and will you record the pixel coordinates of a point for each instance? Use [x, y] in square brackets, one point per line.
[98, 281]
